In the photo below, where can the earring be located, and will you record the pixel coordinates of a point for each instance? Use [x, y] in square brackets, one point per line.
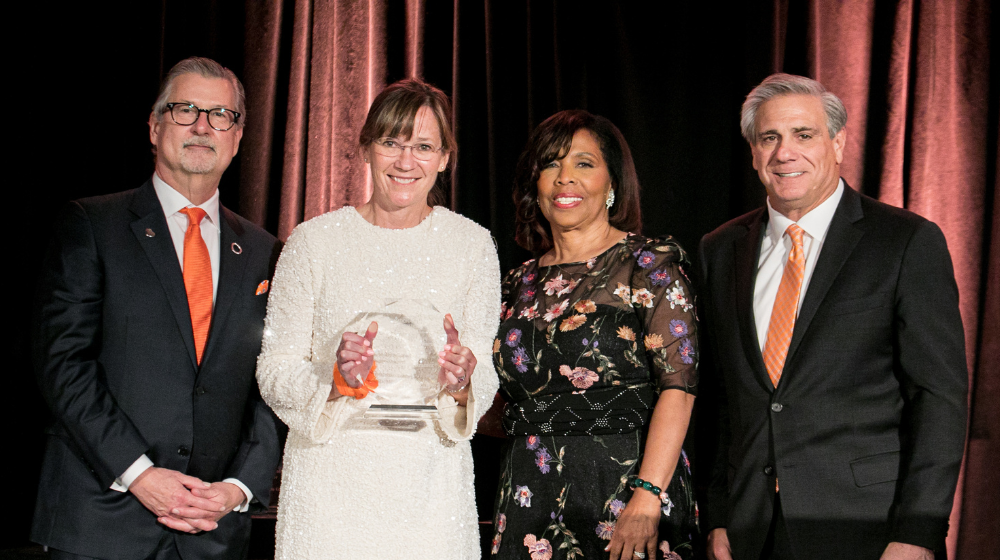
[611, 199]
[366, 160]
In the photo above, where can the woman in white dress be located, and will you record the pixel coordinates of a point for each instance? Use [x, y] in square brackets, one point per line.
[372, 305]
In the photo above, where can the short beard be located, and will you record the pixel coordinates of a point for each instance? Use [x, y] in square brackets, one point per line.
[200, 163]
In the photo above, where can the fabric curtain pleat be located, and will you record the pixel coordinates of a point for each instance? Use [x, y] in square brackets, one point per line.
[914, 75]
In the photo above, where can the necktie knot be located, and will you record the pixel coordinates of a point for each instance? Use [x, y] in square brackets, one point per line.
[195, 216]
[796, 233]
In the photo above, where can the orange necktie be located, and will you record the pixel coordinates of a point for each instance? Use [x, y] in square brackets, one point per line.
[779, 331]
[197, 279]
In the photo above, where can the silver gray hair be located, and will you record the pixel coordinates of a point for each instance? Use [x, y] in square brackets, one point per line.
[206, 68]
[777, 85]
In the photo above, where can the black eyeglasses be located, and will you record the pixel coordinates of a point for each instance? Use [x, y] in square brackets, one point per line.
[186, 114]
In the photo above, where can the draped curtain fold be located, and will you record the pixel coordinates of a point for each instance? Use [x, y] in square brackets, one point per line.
[915, 76]
[930, 132]
[336, 65]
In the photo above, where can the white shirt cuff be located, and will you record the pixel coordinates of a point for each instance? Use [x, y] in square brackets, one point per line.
[140, 465]
[245, 505]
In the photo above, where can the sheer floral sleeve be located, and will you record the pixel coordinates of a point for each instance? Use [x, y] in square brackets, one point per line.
[661, 295]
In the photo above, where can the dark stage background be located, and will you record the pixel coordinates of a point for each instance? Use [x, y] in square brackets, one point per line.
[920, 80]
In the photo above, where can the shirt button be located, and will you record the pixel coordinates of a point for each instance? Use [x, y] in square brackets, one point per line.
[199, 390]
[769, 470]
[183, 451]
[776, 407]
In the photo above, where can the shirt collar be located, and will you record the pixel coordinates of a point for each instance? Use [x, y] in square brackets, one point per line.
[815, 222]
[173, 201]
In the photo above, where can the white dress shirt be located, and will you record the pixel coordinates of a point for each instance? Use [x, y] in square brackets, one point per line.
[774, 249]
[172, 203]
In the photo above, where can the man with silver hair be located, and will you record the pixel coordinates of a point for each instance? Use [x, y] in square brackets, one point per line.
[148, 325]
[835, 355]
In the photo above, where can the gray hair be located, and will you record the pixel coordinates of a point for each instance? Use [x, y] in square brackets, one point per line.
[206, 68]
[777, 85]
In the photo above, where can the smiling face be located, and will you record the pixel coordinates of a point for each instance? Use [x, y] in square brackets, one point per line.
[794, 155]
[196, 149]
[572, 190]
[403, 181]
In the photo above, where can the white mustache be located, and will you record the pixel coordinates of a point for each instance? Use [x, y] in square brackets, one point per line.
[197, 141]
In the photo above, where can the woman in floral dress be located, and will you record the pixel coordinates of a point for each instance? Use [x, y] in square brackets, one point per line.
[597, 355]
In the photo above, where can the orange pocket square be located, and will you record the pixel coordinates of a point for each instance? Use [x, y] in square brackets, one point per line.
[263, 287]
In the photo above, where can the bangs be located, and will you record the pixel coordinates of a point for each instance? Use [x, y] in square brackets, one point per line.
[394, 111]
[554, 144]
[397, 120]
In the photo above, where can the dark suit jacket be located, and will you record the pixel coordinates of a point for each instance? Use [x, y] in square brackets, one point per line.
[865, 430]
[115, 360]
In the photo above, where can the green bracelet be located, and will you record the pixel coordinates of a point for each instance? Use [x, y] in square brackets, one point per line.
[647, 486]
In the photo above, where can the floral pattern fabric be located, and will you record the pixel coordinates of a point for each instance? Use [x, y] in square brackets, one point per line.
[582, 351]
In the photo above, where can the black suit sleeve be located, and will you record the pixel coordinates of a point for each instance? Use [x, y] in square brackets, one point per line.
[931, 367]
[66, 343]
[712, 416]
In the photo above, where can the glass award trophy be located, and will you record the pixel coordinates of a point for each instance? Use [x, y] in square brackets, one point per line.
[410, 334]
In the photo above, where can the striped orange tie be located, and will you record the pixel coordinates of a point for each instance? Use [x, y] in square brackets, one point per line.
[779, 330]
[197, 279]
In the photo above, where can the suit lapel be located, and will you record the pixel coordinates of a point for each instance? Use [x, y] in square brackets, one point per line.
[234, 255]
[746, 254]
[841, 239]
[159, 249]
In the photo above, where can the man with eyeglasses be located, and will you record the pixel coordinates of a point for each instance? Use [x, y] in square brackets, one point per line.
[149, 321]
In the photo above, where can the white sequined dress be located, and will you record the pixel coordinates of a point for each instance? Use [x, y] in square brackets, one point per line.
[351, 488]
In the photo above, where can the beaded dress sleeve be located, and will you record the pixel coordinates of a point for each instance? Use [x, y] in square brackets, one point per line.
[477, 329]
[293, 382]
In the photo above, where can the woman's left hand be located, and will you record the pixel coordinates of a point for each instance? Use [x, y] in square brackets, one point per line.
[636, 528]
[457, 362]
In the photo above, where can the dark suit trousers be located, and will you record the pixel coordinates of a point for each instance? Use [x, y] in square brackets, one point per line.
[166, 550]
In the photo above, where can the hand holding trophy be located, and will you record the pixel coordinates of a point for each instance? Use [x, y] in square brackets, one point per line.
[355, 358]
[457, 363]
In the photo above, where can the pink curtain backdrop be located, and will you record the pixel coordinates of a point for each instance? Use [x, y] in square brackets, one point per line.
[337, 68]
[914, 77]
[934, 151]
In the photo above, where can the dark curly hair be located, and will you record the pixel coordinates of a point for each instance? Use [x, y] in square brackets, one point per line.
[550, 141]
[393, 112]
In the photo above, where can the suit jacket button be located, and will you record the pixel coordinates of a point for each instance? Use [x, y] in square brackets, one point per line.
[776, 407]
[769, 470]
[199, 390]
[183, 451]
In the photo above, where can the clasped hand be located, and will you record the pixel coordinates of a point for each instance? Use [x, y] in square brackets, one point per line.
[185, 503]
[355, 356]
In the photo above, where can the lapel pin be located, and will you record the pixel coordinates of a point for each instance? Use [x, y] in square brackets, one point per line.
[150, 233]
[263, 287]
[236, 248]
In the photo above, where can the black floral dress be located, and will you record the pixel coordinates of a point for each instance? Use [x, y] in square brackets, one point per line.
[583, 351]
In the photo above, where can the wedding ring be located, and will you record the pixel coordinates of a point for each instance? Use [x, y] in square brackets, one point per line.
[639, 555]
[462, 378]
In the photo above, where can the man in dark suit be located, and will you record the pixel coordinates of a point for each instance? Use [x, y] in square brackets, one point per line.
[836, 355]
[149, 322]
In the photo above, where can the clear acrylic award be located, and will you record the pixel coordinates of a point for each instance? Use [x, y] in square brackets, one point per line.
[410, 334]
